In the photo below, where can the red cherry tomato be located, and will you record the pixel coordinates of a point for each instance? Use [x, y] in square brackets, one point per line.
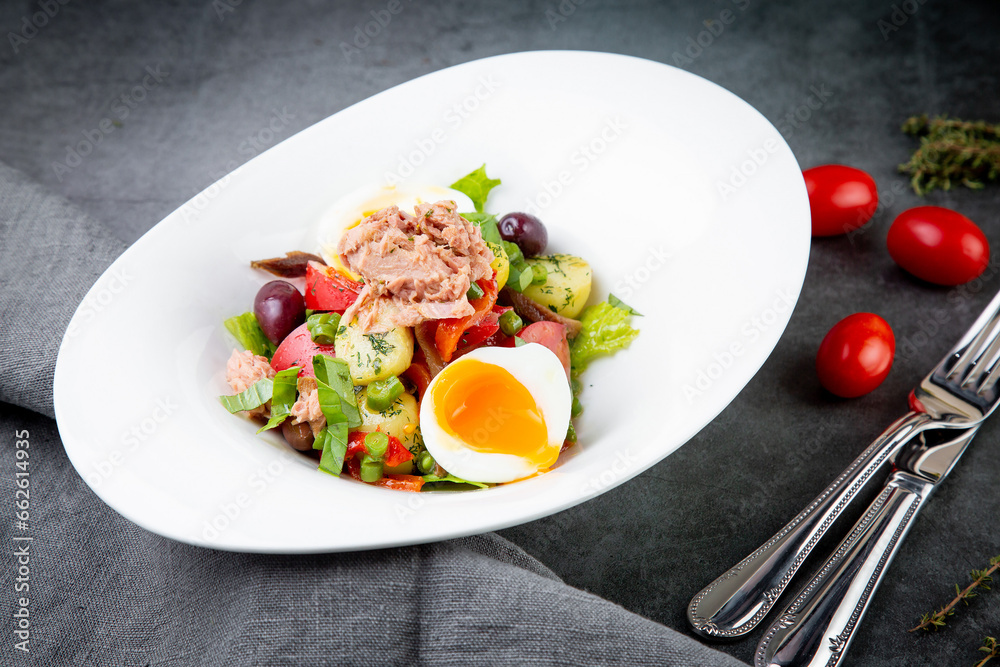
[938, 245]
[550, 334]
[298, 349]
[327, 289]
[856, 355]
[840, 198]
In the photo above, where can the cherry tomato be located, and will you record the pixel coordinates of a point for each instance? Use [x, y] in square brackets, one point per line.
[840, 198]
[550, 334]
[938, 245]
[856, 355]
[298, 349]
[326, 289]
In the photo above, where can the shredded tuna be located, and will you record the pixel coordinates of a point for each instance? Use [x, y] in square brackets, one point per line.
[306, 408]
[415, 267]
[244, 369]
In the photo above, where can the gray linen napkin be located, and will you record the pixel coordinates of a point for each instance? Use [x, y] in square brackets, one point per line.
[103, 591]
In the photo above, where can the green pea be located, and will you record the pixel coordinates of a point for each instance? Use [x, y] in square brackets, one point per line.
[425, 462]
[475, 292]
[511, 323]
[383, 393]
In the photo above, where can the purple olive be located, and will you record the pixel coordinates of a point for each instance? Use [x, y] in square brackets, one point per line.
[526, 231]
[279, 308]
[299, 436]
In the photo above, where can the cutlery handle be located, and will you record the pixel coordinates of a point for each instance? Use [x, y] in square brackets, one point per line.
[819, 625]
[733, 604]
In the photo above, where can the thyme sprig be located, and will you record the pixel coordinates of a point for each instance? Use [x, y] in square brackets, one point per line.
[991, 648]
[952, 152]
[981, 579]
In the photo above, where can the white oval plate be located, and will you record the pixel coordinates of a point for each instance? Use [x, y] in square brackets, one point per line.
[686, 201]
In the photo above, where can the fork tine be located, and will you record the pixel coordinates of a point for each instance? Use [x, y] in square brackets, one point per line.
[982, 343]
[991, 378]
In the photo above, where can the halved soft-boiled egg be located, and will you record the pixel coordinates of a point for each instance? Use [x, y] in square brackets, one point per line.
[497, 414]
[349, 211]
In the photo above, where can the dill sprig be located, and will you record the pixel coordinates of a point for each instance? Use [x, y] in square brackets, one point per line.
[952, 152]
[981, 579]
[991, 648]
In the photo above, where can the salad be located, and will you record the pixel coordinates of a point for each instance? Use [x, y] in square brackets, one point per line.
[431, 344]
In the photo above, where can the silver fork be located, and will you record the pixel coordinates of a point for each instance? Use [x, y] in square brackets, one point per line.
[960, 393]
[819, 625]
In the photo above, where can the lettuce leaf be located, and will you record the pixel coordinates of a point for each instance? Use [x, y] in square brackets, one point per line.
[333, 441]
[433, 479]
[339, 406]
[248, 333]
[282, 396]
[476, 185]
[618, 303]
[487, 225]
[336, 391]
[252, 397]
[606, 330]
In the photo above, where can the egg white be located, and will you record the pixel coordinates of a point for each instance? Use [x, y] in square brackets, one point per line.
[542, 374]
[348, 211]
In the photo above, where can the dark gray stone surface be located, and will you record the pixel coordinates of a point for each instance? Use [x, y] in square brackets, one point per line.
[189, 84]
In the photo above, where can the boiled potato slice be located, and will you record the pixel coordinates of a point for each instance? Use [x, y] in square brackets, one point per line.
[567, 287]
[396, 420]
[374, 356]
[500, 263]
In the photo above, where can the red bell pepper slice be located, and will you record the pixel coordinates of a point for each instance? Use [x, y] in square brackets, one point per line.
[449, 331]
[419, 375]
[328, 289]
[485, 334]
[395, 454]
[411, 483]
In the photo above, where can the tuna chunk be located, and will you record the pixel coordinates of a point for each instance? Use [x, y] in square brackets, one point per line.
[306, 408]
[415, 267]
[244, 369]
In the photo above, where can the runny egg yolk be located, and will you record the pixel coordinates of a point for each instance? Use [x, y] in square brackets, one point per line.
[490, 411]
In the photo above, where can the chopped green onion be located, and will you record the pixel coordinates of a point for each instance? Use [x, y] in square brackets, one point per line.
[475, 292]
[511, 323]
[383, 393]
[282, 397]
[248, 333]
[370, 470]
[323, 327]
[539, 274]
[514, 253]
[518, 342]
[252, 397]
[377, 443]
